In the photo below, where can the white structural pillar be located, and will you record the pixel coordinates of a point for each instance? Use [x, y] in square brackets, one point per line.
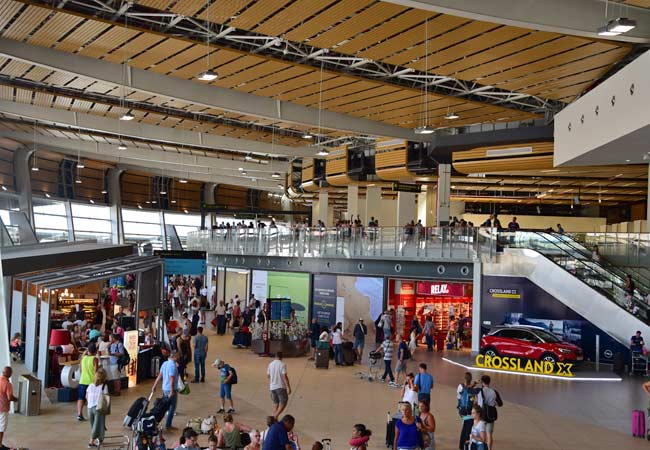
[476, 308]
[5, 359]
[23, 178]
[443, 194]
[353, 202]
[373, 203]
[115, 203]
[209, 199]
[406, 211]
[323, 205]
[427, 206]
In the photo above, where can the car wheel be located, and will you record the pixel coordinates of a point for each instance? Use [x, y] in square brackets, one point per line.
[549, 357]
[490, 351]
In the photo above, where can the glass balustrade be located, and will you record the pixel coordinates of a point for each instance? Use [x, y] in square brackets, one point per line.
[432, 243]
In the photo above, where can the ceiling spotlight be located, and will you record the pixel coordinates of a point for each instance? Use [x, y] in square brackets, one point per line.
[618, 26]
[77, 180]
[452, 116]
[81, 165]
[34, 168]
[244, 173]
[173, 202]
[139, 206]
[182, 180]
[104, 191]
[186, 211]
[322, 152]
[163, 192]
[92, 201]
[4, 188]
[127, 116]
[424, 130]
[307, 136]
[208, 75]
[148, 202]
[248, 157]
[276, 175]
[47, 195]
[153, 202]
[240, 169]
[121, 146]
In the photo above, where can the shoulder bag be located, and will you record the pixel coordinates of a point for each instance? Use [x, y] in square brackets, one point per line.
[104, 402]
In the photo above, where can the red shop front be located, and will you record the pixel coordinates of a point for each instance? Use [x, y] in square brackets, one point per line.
[440, 299]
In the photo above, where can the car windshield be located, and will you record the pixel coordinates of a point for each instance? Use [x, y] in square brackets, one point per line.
[546, 336]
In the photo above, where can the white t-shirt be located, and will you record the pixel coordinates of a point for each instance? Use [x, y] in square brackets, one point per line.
[477, 430]
[276, 371]
[410, 395]
[220, 310]
[337, 337]
[324, 336]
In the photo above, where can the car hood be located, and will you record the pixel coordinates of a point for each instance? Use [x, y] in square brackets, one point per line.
[569, 346]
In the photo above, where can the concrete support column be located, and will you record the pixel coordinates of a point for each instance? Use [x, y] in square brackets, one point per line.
[443, 194]
[323, 206]
[209, 198]
[285, 204]
[23, 179]
[115, 204]
[476, 308]
[5, 358]
[647, 206]
[406, 211]
[353, 202]
[427, 206]
[373, 204]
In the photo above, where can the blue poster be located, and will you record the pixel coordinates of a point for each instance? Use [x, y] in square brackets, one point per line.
[324, 300]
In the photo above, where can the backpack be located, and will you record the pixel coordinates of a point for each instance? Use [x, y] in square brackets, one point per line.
[490, 413]
[148, 426]
[406, 352]
[160, 407]
[208, 425]
[125, 359]
[465, 402]
[233, 380]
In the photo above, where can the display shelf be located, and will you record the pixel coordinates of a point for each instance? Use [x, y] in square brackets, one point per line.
[88, 306]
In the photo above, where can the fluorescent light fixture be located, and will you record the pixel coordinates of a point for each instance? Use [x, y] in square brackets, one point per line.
[4, 188]
[182, 180]
[424, 130]
[173, 202]
[244, 173]
[121, 146]
[275, 175]
[77, 180]
[248, 157]
[148, 202]
[240, 169]
[81, 165]
[127, 116]
[186, 211]
[34, 168]
[104, 191]
[163, 192]
[618, 26]
[92, 201]
[47, 195]
[139, 206]
[307, 136]
[153, 202]
[322, 152]
[452, 116]
[208, 75]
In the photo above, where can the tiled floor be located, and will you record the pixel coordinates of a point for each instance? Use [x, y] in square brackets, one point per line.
[327, 403]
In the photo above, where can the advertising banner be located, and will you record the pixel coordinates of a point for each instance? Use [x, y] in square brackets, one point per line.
[180, 262]
[131, 346]
[440, 289]
[324, 299]
[291, 285]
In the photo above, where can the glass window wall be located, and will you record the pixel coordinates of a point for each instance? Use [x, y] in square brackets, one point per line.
[142, 228]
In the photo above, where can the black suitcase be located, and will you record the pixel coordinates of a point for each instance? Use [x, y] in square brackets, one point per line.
[159, 409]
[137, 408]
[349, 355]
[390, 433]
[464, 433]
[322, 359]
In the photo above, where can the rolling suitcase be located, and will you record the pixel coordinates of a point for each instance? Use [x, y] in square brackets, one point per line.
[136, 410]
[155, 366]
[390, 433]
[638, 423]
[349, 355]
[322, 359]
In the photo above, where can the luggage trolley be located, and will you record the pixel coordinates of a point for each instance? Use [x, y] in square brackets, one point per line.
[639, 364]
[373, 367]
[115, 443]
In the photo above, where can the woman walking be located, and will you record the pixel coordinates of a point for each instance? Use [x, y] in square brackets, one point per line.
[428, 426]
[407, 430]
[97, 418]
[478, 436]
[360, 437]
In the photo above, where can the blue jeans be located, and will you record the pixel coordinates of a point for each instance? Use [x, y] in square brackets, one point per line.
[225, 391]
[338, 354]
[172, 407]
[429, 343]
[388, 371]
[199, 364]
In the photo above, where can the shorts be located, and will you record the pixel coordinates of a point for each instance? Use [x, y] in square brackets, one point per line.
[401, 366]
[489, 427]
[359, 343]
[279, 396]
[81, 391]
[313, 341]
[225, 391]
[4, 418]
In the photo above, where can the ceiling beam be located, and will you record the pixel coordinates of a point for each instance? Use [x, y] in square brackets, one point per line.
[197, 93]
[574, 17]
[142, 160]
[138, 130]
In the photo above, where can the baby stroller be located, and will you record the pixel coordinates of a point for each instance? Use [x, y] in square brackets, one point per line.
[145, 424]
[373, 367]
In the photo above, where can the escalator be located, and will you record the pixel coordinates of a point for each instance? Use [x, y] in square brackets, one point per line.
[572, 277]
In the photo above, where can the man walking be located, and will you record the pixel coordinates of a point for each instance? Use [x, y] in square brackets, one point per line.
[277, 437]
[424, 383]
[200, 352]
[116, 351]
[226, 377]
[488, 399]
[387, 324]
[387, 350]
[278, 384]
[314, 335]
[169, 376]
[429, 331]
[6, 397]
[360, 332]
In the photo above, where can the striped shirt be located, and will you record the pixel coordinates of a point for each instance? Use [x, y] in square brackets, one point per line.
[387, 346]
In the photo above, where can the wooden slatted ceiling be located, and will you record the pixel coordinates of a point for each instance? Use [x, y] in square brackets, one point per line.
[332, 15]
[290, 16]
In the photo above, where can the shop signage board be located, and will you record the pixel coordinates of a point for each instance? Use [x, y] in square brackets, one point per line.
[511, 293]
[404, 187]
[324, 299]
[441, 289]
[131, 346]
[513, 364]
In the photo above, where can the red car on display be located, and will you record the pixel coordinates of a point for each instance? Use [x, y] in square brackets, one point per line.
[530, 343]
